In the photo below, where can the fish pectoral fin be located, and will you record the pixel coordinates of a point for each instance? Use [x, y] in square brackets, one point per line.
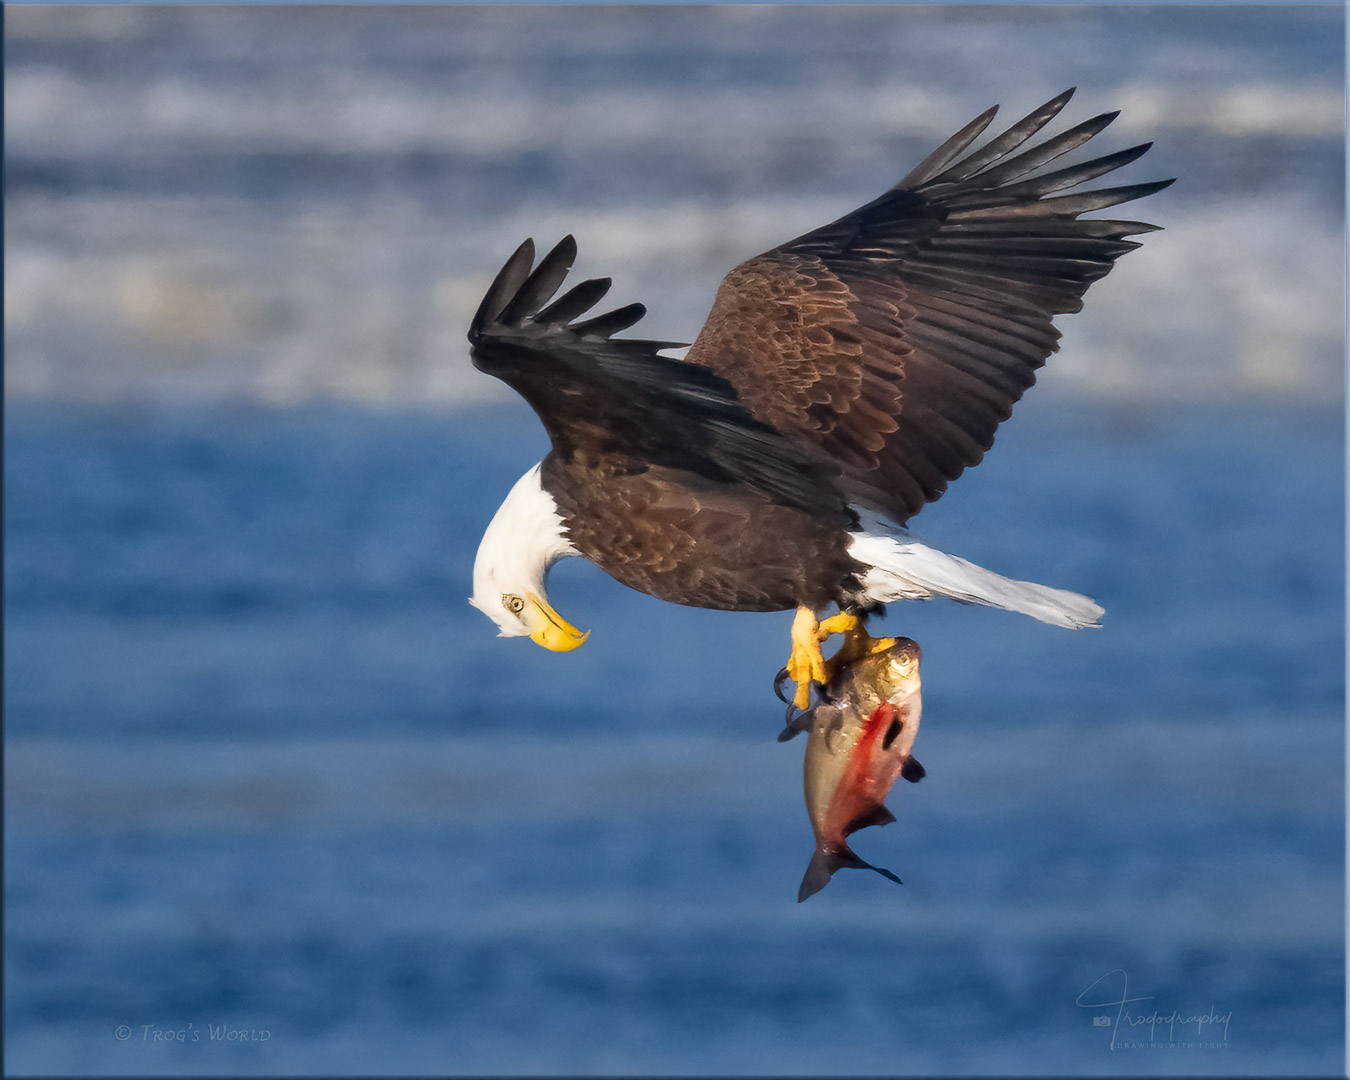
[795, 722]
[912, 771]
[822, 713]
[878, 815]
[826, 861]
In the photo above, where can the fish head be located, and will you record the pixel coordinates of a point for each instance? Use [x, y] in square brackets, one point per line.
[887, 675]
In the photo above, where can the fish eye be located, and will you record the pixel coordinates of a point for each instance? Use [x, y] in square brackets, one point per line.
[514, 604]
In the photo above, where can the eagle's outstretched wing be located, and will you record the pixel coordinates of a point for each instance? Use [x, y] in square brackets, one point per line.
[899, 337]
[601, 395]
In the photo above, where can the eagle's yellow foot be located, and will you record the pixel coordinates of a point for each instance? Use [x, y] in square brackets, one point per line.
[806, 664]
[857, 644]
[842, 623]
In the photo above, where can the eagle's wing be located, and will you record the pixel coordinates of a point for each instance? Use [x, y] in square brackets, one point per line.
[898, 337]
[598, 394]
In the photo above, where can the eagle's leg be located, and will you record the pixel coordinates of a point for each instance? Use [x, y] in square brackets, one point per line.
[806, 665]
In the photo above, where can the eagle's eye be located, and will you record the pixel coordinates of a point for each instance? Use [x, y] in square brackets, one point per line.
[514, 604]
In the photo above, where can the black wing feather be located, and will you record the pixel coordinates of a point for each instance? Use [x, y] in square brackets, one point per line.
[611, 322]
[943, 155]
[505, 285]
[576, 301]
[1043, 153]
[542, 283]
[996, 148]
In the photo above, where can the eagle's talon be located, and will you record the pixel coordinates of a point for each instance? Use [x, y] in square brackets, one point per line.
[794, 722]
[778, 681]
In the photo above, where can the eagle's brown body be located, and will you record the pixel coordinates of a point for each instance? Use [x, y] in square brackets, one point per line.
[676, 536]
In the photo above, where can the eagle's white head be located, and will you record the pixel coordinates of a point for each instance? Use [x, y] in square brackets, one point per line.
[524, 539]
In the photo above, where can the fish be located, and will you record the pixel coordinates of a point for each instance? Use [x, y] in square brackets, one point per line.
[860, 736]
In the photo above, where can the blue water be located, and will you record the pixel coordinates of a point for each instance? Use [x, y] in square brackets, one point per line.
[267, 771]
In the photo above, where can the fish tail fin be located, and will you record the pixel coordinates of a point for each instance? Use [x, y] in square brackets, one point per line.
[826, 861]
[901, 568]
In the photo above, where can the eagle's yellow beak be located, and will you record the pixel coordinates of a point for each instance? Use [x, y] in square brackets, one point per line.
[554, 632]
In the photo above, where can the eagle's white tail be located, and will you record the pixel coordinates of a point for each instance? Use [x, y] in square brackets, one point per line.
[901, 568]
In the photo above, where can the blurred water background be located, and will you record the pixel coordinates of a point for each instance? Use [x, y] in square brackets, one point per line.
[271, 784]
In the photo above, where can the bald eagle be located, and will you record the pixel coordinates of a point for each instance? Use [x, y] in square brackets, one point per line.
[841, 381]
